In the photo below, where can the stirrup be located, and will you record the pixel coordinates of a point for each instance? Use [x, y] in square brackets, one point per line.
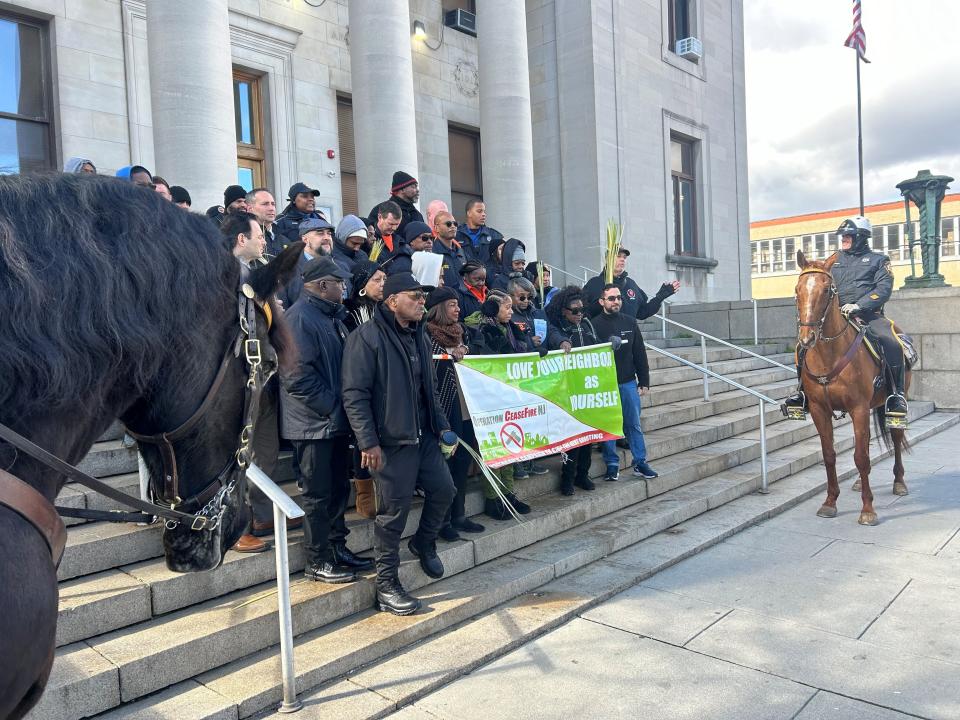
[896, 420]
[795, 412]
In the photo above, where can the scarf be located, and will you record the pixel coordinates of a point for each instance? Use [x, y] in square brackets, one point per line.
[479, 293]
[447, 335]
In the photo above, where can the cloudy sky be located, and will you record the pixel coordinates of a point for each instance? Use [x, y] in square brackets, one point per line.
[801, 101]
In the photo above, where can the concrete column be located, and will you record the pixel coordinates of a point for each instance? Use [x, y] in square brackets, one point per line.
[506, 137]
[191, 91]
[381, 70]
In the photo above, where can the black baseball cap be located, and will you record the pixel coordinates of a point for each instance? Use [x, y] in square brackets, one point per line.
[623, 251]
[300, 187]
[323, 266]
[403, 282]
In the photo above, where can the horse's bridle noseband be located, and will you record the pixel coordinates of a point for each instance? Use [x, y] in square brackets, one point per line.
[818, 331]
[38, 511]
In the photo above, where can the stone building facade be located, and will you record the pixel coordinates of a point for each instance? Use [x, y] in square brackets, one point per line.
[561, 113]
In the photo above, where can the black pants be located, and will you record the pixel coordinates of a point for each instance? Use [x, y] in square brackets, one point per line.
[882, 331]
[576, 467]
[405, 467]
[324, 467]
[459, 466]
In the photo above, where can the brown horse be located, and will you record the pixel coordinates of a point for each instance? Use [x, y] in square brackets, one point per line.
[839, 375]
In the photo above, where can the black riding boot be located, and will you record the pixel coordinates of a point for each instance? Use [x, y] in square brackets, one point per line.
[896, 404]
[795, 406]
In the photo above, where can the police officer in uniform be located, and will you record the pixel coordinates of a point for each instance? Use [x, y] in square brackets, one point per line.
[864, 283]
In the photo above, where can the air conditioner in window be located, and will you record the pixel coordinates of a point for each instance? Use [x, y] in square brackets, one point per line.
[690, 48]
[462, 20]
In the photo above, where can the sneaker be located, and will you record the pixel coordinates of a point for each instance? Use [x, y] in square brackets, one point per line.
[642, 469]
[519, 473]
[465, 524]
[449, 533]
[535, 469]
[519, 505]
[612, 474]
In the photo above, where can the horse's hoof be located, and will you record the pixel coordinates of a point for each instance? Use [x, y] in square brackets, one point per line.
[856, 486]
[826, 511]
[867, 518]
[900, 488]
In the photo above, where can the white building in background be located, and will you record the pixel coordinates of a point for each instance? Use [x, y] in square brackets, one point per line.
[560, 113]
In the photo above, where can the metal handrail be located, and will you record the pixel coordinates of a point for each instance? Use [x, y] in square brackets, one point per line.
[761, 401]
[284, 508]
[708, 336]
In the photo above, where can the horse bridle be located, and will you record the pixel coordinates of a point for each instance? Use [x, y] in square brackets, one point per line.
[818, 326]
[39, 512]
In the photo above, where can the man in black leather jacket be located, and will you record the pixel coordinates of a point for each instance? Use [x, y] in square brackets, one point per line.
[312, 417]
[864, 283]
[390, 397]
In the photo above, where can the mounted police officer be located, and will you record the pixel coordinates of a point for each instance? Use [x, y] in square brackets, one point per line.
[864, 283]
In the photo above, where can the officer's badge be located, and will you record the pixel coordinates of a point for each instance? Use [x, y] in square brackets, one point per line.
[865, 260]
[886, 267]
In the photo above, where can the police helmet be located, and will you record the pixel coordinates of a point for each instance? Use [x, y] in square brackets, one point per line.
[860, 228]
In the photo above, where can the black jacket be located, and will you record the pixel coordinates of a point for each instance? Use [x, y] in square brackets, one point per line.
[863, 278]
[635, 303]
[480, 252]
[453, 260]
[631, 356]
[378, 394]
[498, 275]
[468, 301]
[399, 261]
[310, 404]
[580, 335]
[408, 213]
[287, 226]
[347, 259]
[523, 320]
[489, 337]
[276, 243]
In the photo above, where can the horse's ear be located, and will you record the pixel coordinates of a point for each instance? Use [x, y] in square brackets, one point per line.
[801, 260]
[266, 280]
[830, 261]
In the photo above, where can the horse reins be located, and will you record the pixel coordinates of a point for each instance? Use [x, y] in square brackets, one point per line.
[39, 512]
[818, 332]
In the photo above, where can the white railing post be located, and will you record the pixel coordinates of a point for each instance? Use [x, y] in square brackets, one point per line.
[663, 319]
[706, 378]
[283, 507]
[764, 486]
[756, 334]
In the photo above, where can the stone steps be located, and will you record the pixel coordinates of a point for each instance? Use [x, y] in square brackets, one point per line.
[180, 645]
[519, 576]
[101, 601]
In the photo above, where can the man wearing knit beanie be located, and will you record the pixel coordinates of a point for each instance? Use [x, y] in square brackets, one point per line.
[404, 191]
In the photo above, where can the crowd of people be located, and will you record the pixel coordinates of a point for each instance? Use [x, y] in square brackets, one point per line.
[373, 396]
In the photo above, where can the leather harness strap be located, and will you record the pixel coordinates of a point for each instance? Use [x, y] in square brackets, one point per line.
[841, 364]
[36, 510]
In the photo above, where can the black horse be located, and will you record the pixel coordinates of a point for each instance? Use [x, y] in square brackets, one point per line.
[115, 303]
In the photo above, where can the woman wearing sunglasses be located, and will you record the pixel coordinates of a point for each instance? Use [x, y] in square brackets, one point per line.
[571, 328]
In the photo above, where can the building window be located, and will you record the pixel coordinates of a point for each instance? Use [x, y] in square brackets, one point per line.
[466, 179]
[821, 245]
[765, 256]
[755, 258]
[683, 173]
[25, 90]
[893, 242]
[790, 254]
[348, 157]
[681, 21]
[248, 117]
[948, 237]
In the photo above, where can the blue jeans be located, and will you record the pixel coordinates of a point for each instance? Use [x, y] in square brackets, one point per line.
[630, 402]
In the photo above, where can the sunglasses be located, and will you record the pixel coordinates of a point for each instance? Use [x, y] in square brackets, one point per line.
[611, 298]
[417, 295]
[451, 223]
[575, 310]
[524, 297]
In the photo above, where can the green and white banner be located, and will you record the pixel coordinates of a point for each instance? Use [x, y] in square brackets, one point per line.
[527, 406]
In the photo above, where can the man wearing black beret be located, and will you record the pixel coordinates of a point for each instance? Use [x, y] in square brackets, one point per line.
[390, 397]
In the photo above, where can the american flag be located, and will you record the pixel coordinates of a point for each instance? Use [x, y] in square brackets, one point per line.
[857, 38]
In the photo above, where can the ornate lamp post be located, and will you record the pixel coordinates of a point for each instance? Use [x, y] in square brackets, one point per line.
[926, 191]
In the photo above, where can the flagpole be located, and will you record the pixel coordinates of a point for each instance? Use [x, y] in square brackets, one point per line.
[859, 132]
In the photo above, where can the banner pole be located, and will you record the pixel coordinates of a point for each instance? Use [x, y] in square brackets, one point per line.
[859, 131]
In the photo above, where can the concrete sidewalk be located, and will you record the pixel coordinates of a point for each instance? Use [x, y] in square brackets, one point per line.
[797, 618]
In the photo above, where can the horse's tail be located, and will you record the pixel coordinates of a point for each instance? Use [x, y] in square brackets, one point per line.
[883, 433]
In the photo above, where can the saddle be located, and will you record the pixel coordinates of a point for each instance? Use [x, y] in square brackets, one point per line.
[910, 354]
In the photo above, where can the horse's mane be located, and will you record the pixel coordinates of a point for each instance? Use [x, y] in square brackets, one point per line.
[102, 283]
